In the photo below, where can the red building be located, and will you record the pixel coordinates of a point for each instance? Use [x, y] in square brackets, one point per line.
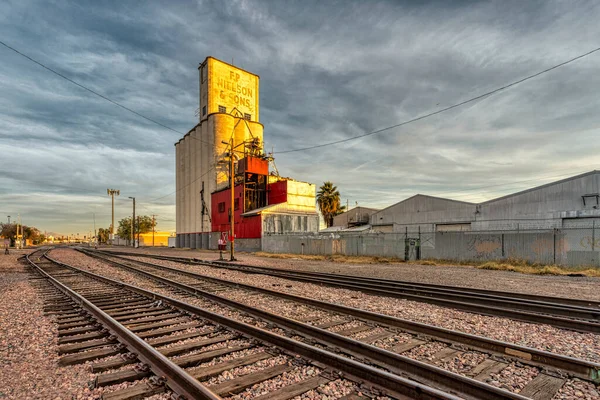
[263, 203]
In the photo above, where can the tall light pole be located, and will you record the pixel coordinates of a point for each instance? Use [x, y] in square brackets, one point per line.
[133, 223]
[112, 193]
[8, 219]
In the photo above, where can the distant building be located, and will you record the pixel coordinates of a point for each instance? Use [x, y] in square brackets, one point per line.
[159, 238]
[356, 216]
[263, 202]
[568, 203]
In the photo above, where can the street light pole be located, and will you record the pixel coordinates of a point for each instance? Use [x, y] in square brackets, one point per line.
[133, 224]
[112, 193]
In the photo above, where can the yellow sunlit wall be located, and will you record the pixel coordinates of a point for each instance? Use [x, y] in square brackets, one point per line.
[225, 85]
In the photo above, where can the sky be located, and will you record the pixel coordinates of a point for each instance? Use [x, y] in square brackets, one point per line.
[329, 70]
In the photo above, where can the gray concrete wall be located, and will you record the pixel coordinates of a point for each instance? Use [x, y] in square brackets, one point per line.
[567, 247]
[249, 245]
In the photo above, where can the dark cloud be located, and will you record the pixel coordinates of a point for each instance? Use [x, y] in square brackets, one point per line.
[329, 71]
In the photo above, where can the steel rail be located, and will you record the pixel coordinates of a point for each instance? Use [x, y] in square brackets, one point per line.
[176, 378]
[416, 370]
[592, 308]
[557, 321]
[512, 295]
[576, 367]
[518, 304]
[360, 372]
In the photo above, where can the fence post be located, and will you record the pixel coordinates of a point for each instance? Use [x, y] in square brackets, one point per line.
[554, 242]
[593, 235]
[418, 255]
[406, 243]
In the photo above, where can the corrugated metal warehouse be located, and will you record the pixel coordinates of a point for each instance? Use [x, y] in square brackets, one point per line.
[567, 203]
[556, 223]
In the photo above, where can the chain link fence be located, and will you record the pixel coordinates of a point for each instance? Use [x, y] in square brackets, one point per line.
[567, 247]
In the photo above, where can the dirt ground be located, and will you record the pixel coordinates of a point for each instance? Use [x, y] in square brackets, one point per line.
[587, 288]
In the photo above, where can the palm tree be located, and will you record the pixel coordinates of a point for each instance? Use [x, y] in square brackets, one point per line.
[328, 199]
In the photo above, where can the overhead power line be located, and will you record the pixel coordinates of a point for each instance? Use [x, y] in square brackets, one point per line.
[88, 89]
[492, 92]
[98, 94]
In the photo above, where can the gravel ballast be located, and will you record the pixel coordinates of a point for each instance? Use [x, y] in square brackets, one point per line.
[456, 275]
[28, 344]
[440, 316]
[542, 337]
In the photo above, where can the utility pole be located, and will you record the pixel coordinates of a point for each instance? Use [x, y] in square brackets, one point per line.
[138, 223]
[153, 223]
[133, 224]
[112, 193]
[232, 184]
[347, 214]
[19, 241]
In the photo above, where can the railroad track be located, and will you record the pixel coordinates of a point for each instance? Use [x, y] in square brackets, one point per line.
[379, 329]
[571, 314]
[95, 312]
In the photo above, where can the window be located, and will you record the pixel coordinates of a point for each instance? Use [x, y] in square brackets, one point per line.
[222, 207]
[236, 204]
[247, 116]
[222, 109]
[204, 111]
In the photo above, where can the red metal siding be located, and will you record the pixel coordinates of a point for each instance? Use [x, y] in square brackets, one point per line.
[249, 227]
[254, 165]
[245, 227]
[277, 192]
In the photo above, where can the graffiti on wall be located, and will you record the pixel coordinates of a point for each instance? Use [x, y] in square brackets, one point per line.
[484, 245]
[589, 242]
